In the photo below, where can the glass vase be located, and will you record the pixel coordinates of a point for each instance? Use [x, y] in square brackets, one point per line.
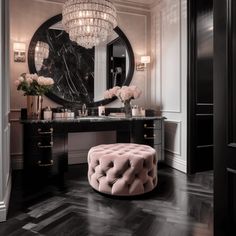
[34, 107]
[127, 109]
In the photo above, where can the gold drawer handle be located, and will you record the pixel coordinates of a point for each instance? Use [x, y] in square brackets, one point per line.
[149, 127]
[146, 137]
[46, 132]
[46, 146]
[45, 165]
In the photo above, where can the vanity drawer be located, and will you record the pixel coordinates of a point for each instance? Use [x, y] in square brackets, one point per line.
[38, 129]
[46, 163]
[44, 144]
[152, 124]
[153, 136]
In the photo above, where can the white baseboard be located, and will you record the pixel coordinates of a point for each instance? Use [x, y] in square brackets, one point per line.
[175, 162]
[5, 203]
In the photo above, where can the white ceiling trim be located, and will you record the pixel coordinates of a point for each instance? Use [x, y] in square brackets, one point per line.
[59, 2]
[131, 4]
[121, 3]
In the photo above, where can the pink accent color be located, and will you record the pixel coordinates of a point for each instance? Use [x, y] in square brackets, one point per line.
[122, 169]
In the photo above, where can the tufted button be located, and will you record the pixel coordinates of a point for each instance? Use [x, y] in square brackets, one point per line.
[111, 164]
[97, 162]
[150, 173]
[136, 175]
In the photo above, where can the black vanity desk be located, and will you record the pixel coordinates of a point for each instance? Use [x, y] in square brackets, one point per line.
[46, 142]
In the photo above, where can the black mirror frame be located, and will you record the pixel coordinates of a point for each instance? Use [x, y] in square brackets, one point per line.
[32, 68]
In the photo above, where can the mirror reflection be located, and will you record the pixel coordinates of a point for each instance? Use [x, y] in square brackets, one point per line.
[80, 75]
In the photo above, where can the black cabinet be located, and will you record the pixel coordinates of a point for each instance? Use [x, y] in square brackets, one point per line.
[149, 132]
[45, 150]
[45, 142]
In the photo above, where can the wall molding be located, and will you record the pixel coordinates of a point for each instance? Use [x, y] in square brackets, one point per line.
[5, 203]
[127, 4]
[179, 109]
[179, 125]
[171, 38]
[175, 162]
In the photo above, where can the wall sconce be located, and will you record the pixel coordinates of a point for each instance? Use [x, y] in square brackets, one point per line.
[19, 52]
[142, 65]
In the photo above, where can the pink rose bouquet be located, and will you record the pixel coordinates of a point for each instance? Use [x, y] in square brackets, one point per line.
[32, 84]
[124, 93]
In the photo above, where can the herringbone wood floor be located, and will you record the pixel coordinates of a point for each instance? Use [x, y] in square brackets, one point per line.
[180, 205]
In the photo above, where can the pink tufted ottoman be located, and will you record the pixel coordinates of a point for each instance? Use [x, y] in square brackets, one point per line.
[122, 169]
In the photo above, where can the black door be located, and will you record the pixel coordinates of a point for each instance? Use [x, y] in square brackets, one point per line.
[200, 85]
[225, 117]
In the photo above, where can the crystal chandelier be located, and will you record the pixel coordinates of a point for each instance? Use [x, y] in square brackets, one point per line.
[89, 22]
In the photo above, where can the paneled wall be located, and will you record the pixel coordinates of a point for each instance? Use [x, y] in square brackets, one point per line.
[168, 91]
[25, 17]
[5, 173]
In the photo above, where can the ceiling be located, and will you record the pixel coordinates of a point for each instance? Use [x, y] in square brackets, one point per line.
[147, 2]
[123, 2]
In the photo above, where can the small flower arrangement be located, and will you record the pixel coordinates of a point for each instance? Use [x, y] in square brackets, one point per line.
[32, 84]
[124, 93]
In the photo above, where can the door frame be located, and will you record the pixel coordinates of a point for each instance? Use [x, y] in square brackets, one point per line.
[5, 175]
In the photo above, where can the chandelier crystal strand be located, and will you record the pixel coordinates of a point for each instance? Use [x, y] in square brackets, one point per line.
[89, 22]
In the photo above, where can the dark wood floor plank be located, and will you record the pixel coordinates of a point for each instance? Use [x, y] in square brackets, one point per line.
[180, 205]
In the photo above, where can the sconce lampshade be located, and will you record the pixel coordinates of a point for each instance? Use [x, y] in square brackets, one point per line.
[19, 47]
[145, 59]
[89, 22]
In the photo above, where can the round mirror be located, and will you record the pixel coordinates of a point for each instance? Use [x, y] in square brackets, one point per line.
[80, 75]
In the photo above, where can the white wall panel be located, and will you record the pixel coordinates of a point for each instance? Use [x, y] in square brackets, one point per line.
[169, 76]
[173, 137]
[170, 58]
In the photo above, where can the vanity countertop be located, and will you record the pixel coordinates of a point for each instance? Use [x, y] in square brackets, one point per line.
[94, 119]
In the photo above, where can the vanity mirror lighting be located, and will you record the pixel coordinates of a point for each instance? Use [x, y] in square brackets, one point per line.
[81, 75]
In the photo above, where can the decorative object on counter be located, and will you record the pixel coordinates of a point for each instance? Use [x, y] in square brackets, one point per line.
[101, 111]
[84, 111]
[47, 113]
[135, 110]
[89, 22]
[125, 95]
[138, 111]
[34, 87]
[68, 114]
[142, 111]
